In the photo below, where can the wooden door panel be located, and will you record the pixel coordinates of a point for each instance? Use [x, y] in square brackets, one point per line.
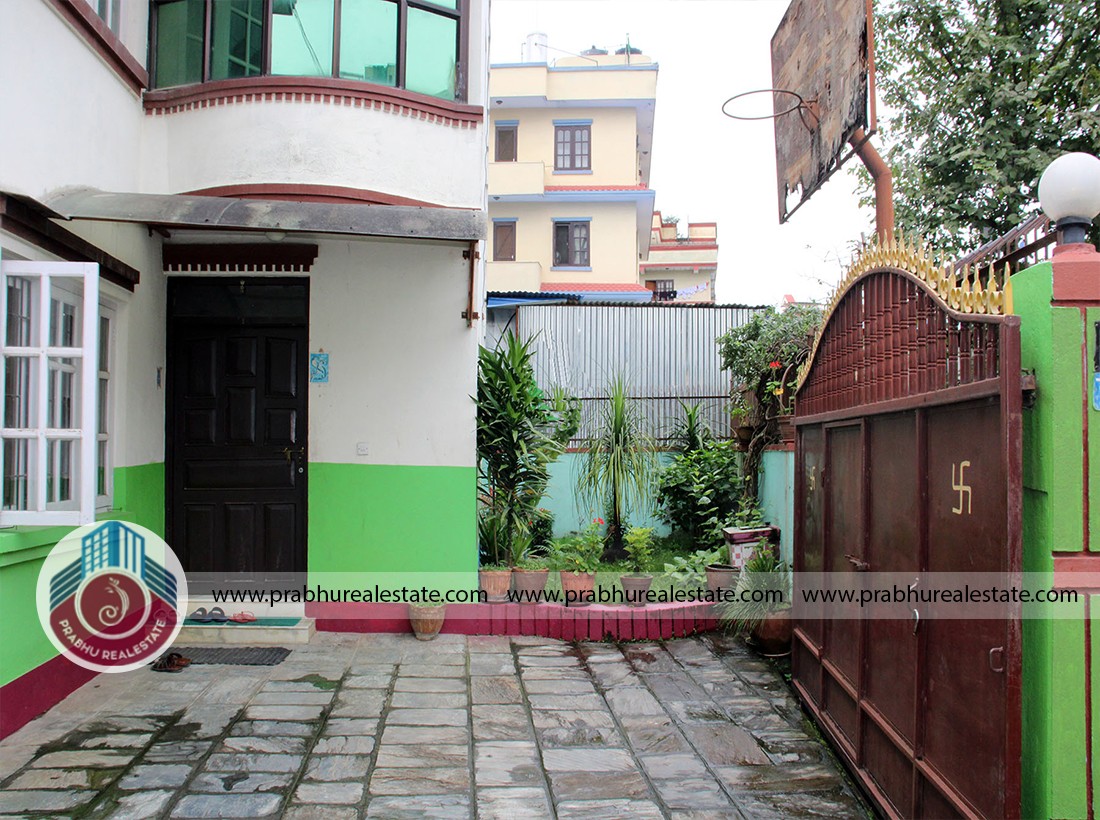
[844, 537]
[237, 423]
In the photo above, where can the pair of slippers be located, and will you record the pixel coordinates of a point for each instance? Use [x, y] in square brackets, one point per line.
[217, 616]
[172, 662]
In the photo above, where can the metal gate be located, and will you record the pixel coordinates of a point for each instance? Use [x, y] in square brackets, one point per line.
[909, 459]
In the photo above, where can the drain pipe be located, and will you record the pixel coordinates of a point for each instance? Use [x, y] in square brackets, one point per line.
[884, 183]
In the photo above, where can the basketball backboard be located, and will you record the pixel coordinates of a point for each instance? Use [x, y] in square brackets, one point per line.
[823, 52]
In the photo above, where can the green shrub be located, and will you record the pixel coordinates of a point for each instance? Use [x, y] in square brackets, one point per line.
[542, 529]
[639, 547]
[699, 491]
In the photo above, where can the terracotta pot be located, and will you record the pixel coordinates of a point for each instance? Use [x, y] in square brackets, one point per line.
[427, 620]
[786, 429]
[744, 433]
[720, 576]
[577, 587]
[746, 535]
[773, 636]
[635, 588]
[530, 581]
[495, 583]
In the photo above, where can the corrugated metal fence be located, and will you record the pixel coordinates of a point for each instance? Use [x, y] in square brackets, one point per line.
[666, 352]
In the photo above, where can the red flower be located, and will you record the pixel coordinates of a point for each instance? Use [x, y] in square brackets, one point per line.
[597, 521]
[774, 365]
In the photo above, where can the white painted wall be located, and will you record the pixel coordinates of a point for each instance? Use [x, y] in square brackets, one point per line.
[68, 119]
[402, 361]
[317, 144]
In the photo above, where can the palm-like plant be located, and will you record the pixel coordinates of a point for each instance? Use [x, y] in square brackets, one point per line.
[619, 469]
[519, 432]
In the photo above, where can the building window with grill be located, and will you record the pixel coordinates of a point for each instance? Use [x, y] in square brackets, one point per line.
[571, 240]
[572, 146]
[506, 139]
[664, 290]
[412, 44]
[504, 240]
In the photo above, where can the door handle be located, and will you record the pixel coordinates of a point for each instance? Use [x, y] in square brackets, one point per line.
[858, 563]
[999, 651]
[916, 621]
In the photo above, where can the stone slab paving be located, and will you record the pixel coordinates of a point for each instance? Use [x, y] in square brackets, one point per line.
[354, 726]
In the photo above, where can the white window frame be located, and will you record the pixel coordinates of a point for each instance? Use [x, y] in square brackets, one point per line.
[42, 276]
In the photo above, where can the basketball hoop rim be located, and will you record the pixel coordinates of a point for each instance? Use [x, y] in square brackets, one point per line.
[796, 107]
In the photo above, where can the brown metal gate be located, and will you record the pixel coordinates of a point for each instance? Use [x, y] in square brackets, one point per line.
[909, 460]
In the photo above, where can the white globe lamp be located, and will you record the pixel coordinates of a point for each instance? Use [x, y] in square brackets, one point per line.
[1069, 193]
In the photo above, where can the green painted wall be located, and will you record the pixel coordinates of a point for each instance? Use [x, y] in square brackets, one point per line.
[568, 515]
[138, 497]
[1054, 741]
[378, 518]
[777, 496]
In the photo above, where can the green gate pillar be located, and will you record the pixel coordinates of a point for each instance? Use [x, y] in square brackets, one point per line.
[1059, 306]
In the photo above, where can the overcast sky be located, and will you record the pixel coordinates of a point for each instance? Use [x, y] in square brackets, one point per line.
[707, 167]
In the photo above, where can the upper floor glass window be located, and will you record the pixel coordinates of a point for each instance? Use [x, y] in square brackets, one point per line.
[572, 147]
[110, 11]
[411, 44]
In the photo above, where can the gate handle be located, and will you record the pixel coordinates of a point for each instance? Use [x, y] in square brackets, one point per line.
[857, 562]
[997, 650]
[916, 621]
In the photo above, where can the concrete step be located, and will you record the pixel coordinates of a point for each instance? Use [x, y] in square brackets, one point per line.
[257, 634]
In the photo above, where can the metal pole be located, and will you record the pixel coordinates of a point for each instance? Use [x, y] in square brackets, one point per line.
[884, 183]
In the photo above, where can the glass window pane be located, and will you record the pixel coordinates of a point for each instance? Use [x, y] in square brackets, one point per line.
[101, 469]
[180, 28]
[236, 28]
[18, 390]
[301, 38]
[432, 56]
[447, 4]
[368, 41]
[104, 343]
[17, 460]
[19, 312]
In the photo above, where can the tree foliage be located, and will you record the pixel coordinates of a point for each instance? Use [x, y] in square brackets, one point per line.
[981, 95]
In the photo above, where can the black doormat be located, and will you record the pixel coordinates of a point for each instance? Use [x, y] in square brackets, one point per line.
[235, 655]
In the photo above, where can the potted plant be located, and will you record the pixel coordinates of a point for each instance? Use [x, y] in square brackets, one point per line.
[749, 527]
[427, 620]
[494, 577]
[639, 548]
[761, 606]
[619, 465]
[688, 572]
[577, 559]
[529, 573]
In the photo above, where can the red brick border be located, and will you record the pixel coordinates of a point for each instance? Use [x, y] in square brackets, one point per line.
[589, 623]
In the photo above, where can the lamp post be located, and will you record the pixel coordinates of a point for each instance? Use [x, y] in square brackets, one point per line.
[1069, 193]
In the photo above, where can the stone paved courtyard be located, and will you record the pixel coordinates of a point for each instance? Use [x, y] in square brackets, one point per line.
[385, 726]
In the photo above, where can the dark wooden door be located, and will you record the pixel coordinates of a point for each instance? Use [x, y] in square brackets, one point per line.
[236, 424]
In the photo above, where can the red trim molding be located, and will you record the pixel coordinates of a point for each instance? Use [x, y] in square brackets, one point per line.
[588, 623]
[292, 192]
[251, 256]
[103, 41]
[313, 90]
[32, 694]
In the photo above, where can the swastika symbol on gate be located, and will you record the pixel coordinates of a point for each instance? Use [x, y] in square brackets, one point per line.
[962, 489]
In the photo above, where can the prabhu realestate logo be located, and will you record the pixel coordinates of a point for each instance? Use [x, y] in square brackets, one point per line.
[110, 596]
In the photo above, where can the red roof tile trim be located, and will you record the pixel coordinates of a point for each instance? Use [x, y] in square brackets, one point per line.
[597, 287]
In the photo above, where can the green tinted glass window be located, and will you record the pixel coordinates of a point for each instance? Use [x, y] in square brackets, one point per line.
[301, 38]
[368, 41]
[236, 39]
[180, 27]
[432, 59]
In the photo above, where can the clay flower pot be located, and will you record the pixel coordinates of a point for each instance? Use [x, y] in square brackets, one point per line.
[772, 636]
[495, 583]
[426, 621]
[635, 588]
[720, 576]
[529, 581]
[577, 587]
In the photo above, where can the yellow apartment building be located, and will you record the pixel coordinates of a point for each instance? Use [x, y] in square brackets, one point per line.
[681, 268]
[569, 164]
